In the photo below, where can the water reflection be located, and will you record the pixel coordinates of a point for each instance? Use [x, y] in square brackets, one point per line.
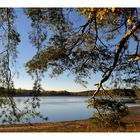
[55, 108]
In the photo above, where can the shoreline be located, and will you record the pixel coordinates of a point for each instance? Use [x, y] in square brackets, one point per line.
[132, 120]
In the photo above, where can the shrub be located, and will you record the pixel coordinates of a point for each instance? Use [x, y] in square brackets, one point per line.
[109, 113]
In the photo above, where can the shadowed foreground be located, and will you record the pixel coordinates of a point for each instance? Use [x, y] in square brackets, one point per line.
[132, 121]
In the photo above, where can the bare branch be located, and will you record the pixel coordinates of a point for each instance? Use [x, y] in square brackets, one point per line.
[3, 52]
[117, 27]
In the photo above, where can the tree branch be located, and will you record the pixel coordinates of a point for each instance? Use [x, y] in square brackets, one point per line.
[3, 52]
[120, 47]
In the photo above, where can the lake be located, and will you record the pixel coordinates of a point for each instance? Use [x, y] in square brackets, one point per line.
[59, 108]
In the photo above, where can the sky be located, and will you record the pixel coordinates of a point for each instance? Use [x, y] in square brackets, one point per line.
[26, 51]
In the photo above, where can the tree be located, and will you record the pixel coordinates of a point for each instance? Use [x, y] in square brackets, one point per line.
[102, 44]
[10, 39]
[108, 42]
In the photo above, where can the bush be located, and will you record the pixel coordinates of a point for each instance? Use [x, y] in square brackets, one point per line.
[109, 113]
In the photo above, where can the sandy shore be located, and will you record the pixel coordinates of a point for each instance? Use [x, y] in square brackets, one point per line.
[132, 120]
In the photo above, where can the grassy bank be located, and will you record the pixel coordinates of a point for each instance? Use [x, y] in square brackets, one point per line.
[132, 125]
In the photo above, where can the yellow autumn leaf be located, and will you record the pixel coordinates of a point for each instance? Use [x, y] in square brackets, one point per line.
[112, 9]
[101, 17]
[136, 58]
[92, 9]
[129, 21]
[89, 16]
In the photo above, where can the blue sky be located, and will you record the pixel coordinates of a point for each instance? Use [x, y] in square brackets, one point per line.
[26, 51]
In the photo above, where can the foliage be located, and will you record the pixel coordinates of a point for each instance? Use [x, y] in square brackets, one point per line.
[10, 39]
[102, 43]
[109, 113]
[11, 114]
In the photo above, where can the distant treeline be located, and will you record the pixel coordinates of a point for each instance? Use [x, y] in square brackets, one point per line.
[113, 92]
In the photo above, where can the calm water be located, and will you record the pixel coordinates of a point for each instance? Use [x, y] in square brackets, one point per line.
[60, 108]
[65, 108]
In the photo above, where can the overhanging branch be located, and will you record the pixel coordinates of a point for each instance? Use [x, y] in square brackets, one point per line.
[119, 49]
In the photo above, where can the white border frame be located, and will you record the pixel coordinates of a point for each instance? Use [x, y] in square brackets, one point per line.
[69, 3]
